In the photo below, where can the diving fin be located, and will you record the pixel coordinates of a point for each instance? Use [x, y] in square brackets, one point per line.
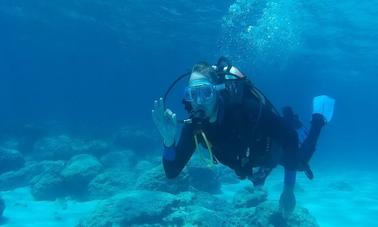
[324, 105]
[307, 170]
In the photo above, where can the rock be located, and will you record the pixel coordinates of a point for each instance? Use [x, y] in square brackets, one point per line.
[155, 180]
[28, 135]
[94, 147]
[211, 202]
[10, 143]
[117, 159]
[23, 176]
[186, 198]
[191, 178]
[249, 197]
[204, 179]
[267, 214]
[79, 171]
[205, 200]
[54, 148]
[242, 216]
[227, 176]
[143, 165]
[64, 147]
[195, 216]
[137, 139]
[10, 160]
[47, 186]
[2, 207]
[110, 183]
[134, 208]
[21, 137]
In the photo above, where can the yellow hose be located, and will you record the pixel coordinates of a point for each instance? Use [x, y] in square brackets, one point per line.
[209, 148]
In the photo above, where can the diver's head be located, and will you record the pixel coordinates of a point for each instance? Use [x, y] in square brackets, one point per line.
[201, 91]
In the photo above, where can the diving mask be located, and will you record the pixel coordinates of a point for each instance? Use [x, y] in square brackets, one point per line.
[202, 92]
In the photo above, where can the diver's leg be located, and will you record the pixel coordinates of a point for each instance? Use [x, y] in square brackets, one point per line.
[309, 144]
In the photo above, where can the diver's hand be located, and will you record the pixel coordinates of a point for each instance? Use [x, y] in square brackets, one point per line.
[165, 121]
[287, 201]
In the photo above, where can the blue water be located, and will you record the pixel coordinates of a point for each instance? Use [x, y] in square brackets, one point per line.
[93, 66]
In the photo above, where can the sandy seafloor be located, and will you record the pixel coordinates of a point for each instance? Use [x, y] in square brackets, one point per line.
[338, 197]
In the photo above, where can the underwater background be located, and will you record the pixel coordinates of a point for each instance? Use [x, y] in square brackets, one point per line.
[77, 84]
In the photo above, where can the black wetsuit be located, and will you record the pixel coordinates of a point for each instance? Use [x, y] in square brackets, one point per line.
[244, 136]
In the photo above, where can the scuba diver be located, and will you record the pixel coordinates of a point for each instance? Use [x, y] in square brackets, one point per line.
[239, 127]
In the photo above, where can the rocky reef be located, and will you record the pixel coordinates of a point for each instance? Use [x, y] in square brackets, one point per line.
[127, 179]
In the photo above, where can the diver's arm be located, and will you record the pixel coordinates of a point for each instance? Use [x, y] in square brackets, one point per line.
[175, 157]
[165, 121]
